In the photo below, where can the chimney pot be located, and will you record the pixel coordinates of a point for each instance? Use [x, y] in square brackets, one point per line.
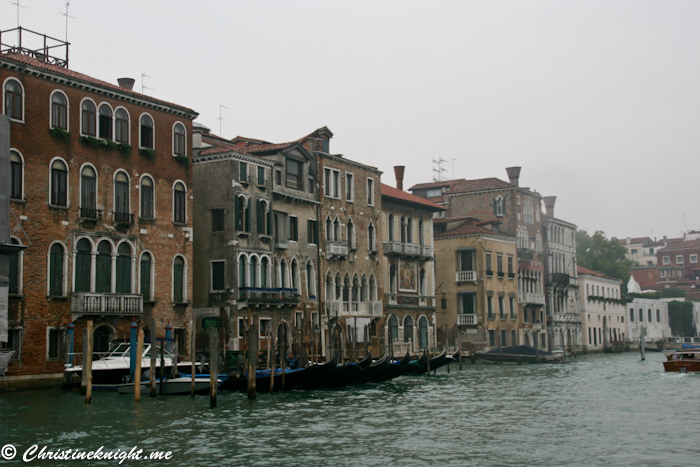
[398, 170]
[126, 83]
[549, 204]
[514, 175]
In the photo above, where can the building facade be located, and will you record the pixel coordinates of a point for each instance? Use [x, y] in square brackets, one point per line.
[409, 266]
[650, 313]
[602, 312]
[101, 189]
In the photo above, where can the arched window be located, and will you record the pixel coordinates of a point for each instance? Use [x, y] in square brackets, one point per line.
[283, 274]
[641, 315]
[338, 287]
[403, 229]
[59, 183]
[121, 130]
[57, 263]
[658, 316]
[364, 292]
[423, 333]
[295, 284]
[631, 314]
[393, 328]
[407, 329]
[15, 272]
[330, 295]
[16, 176]
[370, 238]
[499, 207]
[254, 271]
[310, 279]
[88, 193]
[421, 234]
[391, 227]
[336, 230]
[421, 282]
[121, 197]
[83, 265]
[146, 287]
[392, 279]
[14, 100]
[146, 126]
[329, 230]
[179, 280]
[179, 140]
[88, 118]
[409, 230]
[103, 267]
[346, 289]
[59, 111]
[105, 121]
[649, 319]
[351, 234]
[241, 271]
[355, 289]
[124, 268]
[264, 264]
[372, 288]
[147, 198]
[242, 218]
[180, 204]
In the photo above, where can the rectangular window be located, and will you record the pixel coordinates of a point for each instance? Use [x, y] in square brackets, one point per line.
[243, 172]
[679, 259]
[56, 341]
[180, 199]
[489, 271]
[503, 342]
[278, 177]
[218, 275]
[693, 258]
[492, 338]
[59, 188]
[433, 193]
[489, 305]
[146, 198]
[241, 327]
[311, 185]
[467, 304]
[513, 310]
[499, 264]
[14, 342]
[265, 326]
[313, 231]
[666, 259]
[261, 176]
[370, 192]
[217, 220]
[634, 251]
[466, 261]
[15, 179]
[294, 175]
[293, 228]
[501, 308]
[349, 186]
[514, 337]
[510, 267]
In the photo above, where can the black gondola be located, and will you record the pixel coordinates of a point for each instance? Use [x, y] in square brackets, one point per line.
[393, 370]
[341, 375]
[293, 379]
[376, 369]
[420, 366]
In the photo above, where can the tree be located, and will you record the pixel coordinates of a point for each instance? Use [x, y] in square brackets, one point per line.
[680, 314]
[607, 256]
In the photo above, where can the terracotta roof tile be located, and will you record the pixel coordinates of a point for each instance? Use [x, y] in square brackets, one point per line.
[447, 183]
[589, 272]
[687, 245]
[482, 184]
[470, 227]
[59, 70]
[391, 192]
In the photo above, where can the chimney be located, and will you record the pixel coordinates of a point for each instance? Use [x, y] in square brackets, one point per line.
[126, 83]
[398, 170]
[549, 204]
[312, 146]
[513, 175]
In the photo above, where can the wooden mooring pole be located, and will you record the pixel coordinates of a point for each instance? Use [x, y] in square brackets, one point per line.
[252, 359]
[154, 357]
[137, 370]
[87, 367]
[162, 367]
[213, 365]
[83, 374]
[193, 336]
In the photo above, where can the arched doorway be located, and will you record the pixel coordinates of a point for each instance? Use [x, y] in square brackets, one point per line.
[102, 337]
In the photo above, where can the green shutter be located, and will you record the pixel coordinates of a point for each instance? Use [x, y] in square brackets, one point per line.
[239, 213]
[269, 222]
[56, 275]
[260, 216]
[103, 273]
[123, 274]
[82, 271]
[247, 217]
[146, 279]
[178, 283]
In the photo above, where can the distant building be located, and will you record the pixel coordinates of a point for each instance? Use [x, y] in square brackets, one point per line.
[650, 313]
[602, 311]
[678, 263]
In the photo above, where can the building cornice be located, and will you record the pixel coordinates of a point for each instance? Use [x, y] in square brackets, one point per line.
[349, 162]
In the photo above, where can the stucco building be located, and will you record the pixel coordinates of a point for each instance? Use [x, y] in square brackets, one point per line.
[602, 312]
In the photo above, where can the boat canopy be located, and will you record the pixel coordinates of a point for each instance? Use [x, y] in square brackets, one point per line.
[519, 350]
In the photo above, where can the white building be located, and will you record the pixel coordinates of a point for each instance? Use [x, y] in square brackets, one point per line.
[650, 313]
[602, 311]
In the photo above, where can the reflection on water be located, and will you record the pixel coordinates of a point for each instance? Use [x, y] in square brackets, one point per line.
[598, 410]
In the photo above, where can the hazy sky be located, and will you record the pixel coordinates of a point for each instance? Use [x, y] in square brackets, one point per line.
[598, 101]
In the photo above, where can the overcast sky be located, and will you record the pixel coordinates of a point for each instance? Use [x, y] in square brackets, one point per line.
[598, 101]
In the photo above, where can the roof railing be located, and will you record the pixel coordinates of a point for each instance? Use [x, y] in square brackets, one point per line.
[33, 44]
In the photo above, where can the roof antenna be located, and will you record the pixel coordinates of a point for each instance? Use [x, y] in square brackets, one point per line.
[439, 169]
[144, 86]
[221, 118]
[17, 2]
[684, 223]
[67, 16]
[453, 168]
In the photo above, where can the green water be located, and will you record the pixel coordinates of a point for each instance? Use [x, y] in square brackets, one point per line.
[600, 410]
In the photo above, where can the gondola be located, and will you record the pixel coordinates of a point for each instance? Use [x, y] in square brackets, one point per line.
[376, 369]
[393, 370]
[519, 354]
[293, 379]
[420, 366]
[341, 375]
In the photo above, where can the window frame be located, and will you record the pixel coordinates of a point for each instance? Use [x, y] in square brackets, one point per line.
[331, 183]
[82, 118]
[214, 223]
[666, 260]
[260, 180]
[371, 199]
[300, 181]
[60, 350]
[679, 259]
[117, 122]
[349, 187]
[67, 175]
[179, 139]
[141, 198]
[221, 262]
[693, 258]
[51, 108]
[243, 172]
[4, 99]
[153, 132]
[22, 174]
[179, 220]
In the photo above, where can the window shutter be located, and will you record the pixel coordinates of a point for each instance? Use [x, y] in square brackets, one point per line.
[146, 279]
[103, 273]
[495, 207]
[239, 213]
[247, 217]
[178, 270]
[268, 229]
[260, 216]
[56, 273]
[123, 274]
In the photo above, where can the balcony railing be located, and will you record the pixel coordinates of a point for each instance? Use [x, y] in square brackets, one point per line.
[338, 308]
[466, 276]
[90, 213]
[466, 320]
[268, 297]
[409, 300]
[123, 218]
[408, 249]
[336, 249]
[558, 278]
[91, 303]
[533, 298]
[282, 243]
[333, 307]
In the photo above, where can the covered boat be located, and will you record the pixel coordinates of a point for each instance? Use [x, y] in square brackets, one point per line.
[683, 361]
[181, 384]
[520, 354]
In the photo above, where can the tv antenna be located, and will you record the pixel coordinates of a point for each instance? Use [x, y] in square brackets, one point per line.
[17, 2]
[221, 119]
[67, 16]
[438, 169]
[143, 87]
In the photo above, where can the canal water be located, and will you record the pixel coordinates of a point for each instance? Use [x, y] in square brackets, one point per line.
[600, 410]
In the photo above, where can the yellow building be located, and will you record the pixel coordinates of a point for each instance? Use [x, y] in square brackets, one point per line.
[475, 272]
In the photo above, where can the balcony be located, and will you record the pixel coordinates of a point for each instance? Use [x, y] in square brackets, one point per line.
[408, 249]
[263, 297]
[336, 249]
[558, 278]
[113, 304]
[90, 214]
[123, 218]
[466, 276]
[406, 300]
[282, 243]
[466, 320]
[531, 298]
[356, 309]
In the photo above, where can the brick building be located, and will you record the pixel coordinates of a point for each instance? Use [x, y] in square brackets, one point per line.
[101, 189]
